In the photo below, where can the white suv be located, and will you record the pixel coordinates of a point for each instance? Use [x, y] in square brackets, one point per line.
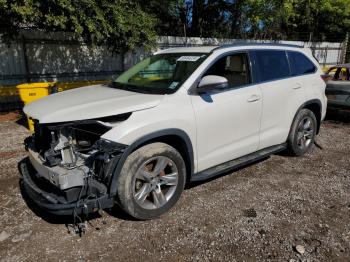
[181, 115]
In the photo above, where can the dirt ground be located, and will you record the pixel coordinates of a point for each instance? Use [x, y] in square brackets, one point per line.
[280, 209]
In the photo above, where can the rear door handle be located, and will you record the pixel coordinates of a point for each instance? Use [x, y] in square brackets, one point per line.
[253, 98]
[297, 86]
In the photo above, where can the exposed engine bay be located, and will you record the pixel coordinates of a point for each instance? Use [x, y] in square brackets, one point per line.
[73, 158]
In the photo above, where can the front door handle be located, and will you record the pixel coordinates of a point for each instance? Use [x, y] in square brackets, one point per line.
[253, 98]
[297, 86]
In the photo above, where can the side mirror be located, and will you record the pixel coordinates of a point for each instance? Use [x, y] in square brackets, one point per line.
[212, 82]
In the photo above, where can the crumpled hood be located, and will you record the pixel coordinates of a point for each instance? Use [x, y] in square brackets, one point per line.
[88, 103]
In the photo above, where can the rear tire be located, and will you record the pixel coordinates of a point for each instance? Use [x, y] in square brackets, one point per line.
[151, 181]
[302, 134]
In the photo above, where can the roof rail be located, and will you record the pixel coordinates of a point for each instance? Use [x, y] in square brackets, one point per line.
[255, 44]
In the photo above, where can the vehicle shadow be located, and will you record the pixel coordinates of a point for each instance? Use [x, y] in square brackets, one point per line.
[117, 212]
[338, 115]
[190, 185]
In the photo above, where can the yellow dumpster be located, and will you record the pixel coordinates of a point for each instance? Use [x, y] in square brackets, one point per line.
[31, 92]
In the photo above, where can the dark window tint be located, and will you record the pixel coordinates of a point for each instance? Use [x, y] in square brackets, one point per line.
[234, 67]
[300, 64]
[272, 65]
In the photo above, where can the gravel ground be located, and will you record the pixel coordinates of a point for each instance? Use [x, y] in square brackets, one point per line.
[282, 208]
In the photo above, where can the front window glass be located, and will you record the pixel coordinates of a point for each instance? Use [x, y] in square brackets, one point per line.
[234, 68]
[159, 74]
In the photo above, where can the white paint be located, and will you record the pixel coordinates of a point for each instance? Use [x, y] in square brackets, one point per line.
[225, 125]
[88, 103]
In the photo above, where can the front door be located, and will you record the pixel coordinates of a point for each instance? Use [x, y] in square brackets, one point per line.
[228, 121]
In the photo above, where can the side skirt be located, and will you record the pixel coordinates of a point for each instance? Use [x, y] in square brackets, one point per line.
[238, 162]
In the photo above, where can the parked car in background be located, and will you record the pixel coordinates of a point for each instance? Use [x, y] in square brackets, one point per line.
[181, 115]
[338, 86]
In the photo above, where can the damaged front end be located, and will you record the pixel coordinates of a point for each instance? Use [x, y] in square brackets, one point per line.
[70, 167]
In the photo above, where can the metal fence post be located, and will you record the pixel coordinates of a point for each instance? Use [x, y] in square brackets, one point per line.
[25, 59]
[345, 48]
[325, 57]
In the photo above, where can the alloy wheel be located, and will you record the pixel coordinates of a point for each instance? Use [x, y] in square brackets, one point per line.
[305, 132]
[155, 182]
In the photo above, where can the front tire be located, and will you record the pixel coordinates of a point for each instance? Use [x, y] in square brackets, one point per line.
[303, 132]
[151, 181]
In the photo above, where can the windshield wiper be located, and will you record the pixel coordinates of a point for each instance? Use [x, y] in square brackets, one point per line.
[133, 88]
[139, 89]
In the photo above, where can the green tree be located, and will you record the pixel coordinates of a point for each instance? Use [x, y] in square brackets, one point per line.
[119, 24]
[123, 24]
[170, 15]
[324, 19]
[271, 19]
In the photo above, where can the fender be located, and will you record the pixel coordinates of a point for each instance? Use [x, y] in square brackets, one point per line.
[165, 132]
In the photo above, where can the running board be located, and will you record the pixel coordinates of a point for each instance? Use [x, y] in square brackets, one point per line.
[237, 163]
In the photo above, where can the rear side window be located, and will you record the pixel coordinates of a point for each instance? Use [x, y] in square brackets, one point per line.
[300, 64]
[272, 65]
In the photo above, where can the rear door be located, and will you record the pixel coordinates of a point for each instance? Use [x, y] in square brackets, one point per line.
[282, 95]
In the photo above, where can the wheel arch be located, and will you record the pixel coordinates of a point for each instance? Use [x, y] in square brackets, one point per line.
[315, 106]
[176, 138]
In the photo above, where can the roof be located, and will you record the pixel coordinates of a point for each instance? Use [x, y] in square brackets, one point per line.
[209, 49]
[189, 49]
[258, 44]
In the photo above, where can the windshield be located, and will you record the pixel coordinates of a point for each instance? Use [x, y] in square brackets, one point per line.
[159, 74]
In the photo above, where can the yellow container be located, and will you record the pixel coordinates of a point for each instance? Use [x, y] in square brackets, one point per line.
[31, 92]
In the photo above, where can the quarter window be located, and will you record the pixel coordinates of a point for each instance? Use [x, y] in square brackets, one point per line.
[272, 65]
[300, 64]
